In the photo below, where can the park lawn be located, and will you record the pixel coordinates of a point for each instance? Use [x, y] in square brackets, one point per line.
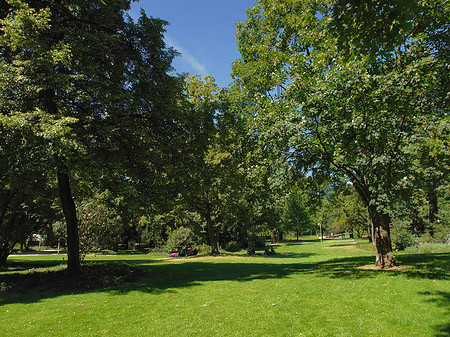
[310, 289]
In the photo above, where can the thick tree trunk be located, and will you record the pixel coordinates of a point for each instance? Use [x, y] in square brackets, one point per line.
[211, 232]
[385, 258]
[69, 210]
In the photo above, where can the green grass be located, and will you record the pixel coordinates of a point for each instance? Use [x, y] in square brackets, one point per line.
[311, 289]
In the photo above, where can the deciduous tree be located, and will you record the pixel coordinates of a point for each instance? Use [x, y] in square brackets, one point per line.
[87, 65]
[341, 109]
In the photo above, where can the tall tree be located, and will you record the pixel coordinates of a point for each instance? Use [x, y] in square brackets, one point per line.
[88, 61]
[340, 109]
[296, 217]
[208, 172]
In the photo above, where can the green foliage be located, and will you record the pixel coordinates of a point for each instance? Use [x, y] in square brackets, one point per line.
[232, 246]
[296, 217]
[256, 241]
[343, 112]
[181, 239]
[92, 92]
[100, 227]
[209, 176]
[401, 236]
[204, 249]
[153, 230]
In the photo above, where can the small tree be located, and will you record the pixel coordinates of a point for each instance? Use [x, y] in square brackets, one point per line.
[100, 227]
[295, 213]
[181, 239]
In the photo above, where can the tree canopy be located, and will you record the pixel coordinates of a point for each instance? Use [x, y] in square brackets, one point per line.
[338, 113]
[351, 99]
[98, 84]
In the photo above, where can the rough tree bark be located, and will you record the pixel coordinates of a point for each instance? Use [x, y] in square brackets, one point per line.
[385, 258]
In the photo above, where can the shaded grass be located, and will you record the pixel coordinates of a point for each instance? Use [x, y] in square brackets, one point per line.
[319, 289]
[21, 279]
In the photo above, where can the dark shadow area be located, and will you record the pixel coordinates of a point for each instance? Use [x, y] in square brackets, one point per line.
[441, 299]
[432, 266]
[23, 265]
[157, 277]
[38, 283]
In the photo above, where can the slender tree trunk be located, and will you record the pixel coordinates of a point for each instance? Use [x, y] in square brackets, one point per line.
[273, 239]
[432, 207]
[381, 237]
[47, 100]
[211, 232]
[69, 210]
[370, 232]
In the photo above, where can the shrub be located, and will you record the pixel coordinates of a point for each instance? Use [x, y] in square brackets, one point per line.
[180, 239]
[204, 249]
[441, 232]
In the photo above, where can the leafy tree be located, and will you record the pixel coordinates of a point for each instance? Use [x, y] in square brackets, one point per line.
[296, 216]
[89, 67]
[429, 157]
[100, 227]
[208, 172]
[181, 239]
[340, 110]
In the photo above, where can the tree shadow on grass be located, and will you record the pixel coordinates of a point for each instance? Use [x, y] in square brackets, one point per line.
[158, 277]
[431, 266]
[442, 299]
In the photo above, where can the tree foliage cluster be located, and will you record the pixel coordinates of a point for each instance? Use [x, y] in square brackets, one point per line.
[359, 80]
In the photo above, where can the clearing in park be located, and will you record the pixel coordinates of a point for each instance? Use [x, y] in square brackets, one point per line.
[306, 289]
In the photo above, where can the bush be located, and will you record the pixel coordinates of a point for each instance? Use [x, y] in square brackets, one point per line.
[180, 239]
[232, 246]
[204, 249]
[99, 226]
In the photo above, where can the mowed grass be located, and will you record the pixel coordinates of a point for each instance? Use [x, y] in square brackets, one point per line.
[307, 289]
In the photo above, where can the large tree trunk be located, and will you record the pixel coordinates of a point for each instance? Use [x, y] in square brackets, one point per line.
[69, 209]
[385, 258]
[211, 232]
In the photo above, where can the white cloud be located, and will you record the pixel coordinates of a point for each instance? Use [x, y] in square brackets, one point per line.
[186, 56]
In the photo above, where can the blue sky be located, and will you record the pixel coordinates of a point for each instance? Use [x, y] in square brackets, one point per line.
[203, 31]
